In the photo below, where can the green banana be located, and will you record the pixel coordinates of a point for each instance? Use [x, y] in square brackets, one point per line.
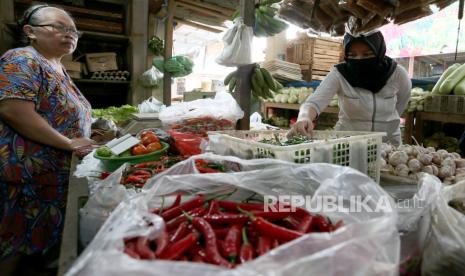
[260, 79]
[232, 84]
[268, 79]
[255, 87]
[279, 86]
[266, 94]
[229, 77]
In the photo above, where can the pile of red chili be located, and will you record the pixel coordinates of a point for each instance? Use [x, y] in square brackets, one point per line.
[204, 166]
[223, 232]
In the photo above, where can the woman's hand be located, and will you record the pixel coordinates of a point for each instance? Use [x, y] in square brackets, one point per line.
[302, 127]
[77, 143]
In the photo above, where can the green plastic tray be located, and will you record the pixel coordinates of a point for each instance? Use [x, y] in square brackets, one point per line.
[113, 163]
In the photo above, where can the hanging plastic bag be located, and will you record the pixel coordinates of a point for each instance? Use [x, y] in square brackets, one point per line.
[444, 252]
[222, 107]
[151, 105]
[413, 216]
[367, 243]
[237, 45]
[151, 78]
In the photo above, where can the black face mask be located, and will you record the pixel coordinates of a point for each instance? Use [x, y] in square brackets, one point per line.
[364, 68]
[370, 73]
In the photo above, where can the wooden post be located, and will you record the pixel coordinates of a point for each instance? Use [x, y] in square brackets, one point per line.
[411, 64]
[244, 73]
[168, 52]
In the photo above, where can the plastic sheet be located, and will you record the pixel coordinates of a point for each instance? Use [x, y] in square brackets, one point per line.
[367, 244]
[444, 253]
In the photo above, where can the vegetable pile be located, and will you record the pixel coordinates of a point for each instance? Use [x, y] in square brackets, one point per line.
[291, 141]
[149, 143]
[452, 81]
[156, 45]
[177, 66]
[439, 140]
[291, 95]
[407, 161]
[417, 99]
[202, 125]
[206, 229]
[116, 114]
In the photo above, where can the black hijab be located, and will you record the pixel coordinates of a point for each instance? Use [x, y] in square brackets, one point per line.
[370, 73]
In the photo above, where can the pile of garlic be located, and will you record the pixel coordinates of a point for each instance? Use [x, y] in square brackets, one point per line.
[408, 161]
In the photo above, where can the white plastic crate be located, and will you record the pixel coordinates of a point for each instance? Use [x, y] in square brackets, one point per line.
[359, 150]
[445, 104]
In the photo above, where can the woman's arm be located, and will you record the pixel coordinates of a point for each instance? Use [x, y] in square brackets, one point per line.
[22, 117]
[405, 88]
[315, 104]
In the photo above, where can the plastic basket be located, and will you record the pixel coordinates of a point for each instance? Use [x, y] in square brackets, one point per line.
[445, 103]
[359, 150]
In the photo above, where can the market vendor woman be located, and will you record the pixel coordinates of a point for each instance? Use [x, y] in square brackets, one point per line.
[43, 118]
[372, 89]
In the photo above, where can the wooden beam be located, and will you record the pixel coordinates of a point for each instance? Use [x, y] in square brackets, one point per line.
[226, 11]
[197, 25]
[202, 10]
[168, 52]
[244, 73]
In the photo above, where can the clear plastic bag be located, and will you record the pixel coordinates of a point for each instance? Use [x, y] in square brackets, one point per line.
[223, 106]
[151, 78]
[413, 216]
[151, 105]
[444, 253]
[367, 244]
[237, 45]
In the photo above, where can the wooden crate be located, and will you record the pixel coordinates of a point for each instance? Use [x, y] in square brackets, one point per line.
[306, 50]
[316, 55]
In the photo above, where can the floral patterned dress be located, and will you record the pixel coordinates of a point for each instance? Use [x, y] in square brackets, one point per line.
[33, 176]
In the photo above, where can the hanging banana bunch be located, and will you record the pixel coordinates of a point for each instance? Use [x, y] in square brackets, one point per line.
[266, 22]
[262, 83]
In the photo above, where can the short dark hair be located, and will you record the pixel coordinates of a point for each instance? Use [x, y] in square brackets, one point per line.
[31, 17]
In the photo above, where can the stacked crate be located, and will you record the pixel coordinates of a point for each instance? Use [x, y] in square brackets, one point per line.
[316, 55]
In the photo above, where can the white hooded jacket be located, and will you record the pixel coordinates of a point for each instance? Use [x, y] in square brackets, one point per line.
[360, 109]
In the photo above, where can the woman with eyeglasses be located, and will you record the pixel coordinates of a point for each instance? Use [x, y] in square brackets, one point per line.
[43, 118]
[372, 89]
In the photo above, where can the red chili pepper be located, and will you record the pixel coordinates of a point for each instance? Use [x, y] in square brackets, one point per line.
[141, 172]
[104, 175]
[264, 245]
[130, 249]
[146, 164]
[290, 222]
[220, 245]
[143, 249]
[176, 203]
[232, 242]
[234, 206]
[271, 230]
[213, 208]
[198, 259]
[187, 206]
[241, 219]
[174, 223]
[207, 170]
[275, 243]
[162, 242]
[180, 247]
[179, 233]
[196, 250]
[133, 179]
[221, 233]
[247, 251]
[321, 224]
[211, 247]
[305, 225]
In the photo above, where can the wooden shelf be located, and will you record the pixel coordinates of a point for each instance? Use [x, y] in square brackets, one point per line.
[104, 37]
[100, 81]
[266, 105]
[421, 116]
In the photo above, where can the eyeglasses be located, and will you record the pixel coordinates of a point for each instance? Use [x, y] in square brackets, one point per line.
[62, 29]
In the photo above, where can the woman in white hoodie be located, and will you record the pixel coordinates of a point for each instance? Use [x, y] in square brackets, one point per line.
[373, 90]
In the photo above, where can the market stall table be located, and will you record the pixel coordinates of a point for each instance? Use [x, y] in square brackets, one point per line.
[78, 192]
